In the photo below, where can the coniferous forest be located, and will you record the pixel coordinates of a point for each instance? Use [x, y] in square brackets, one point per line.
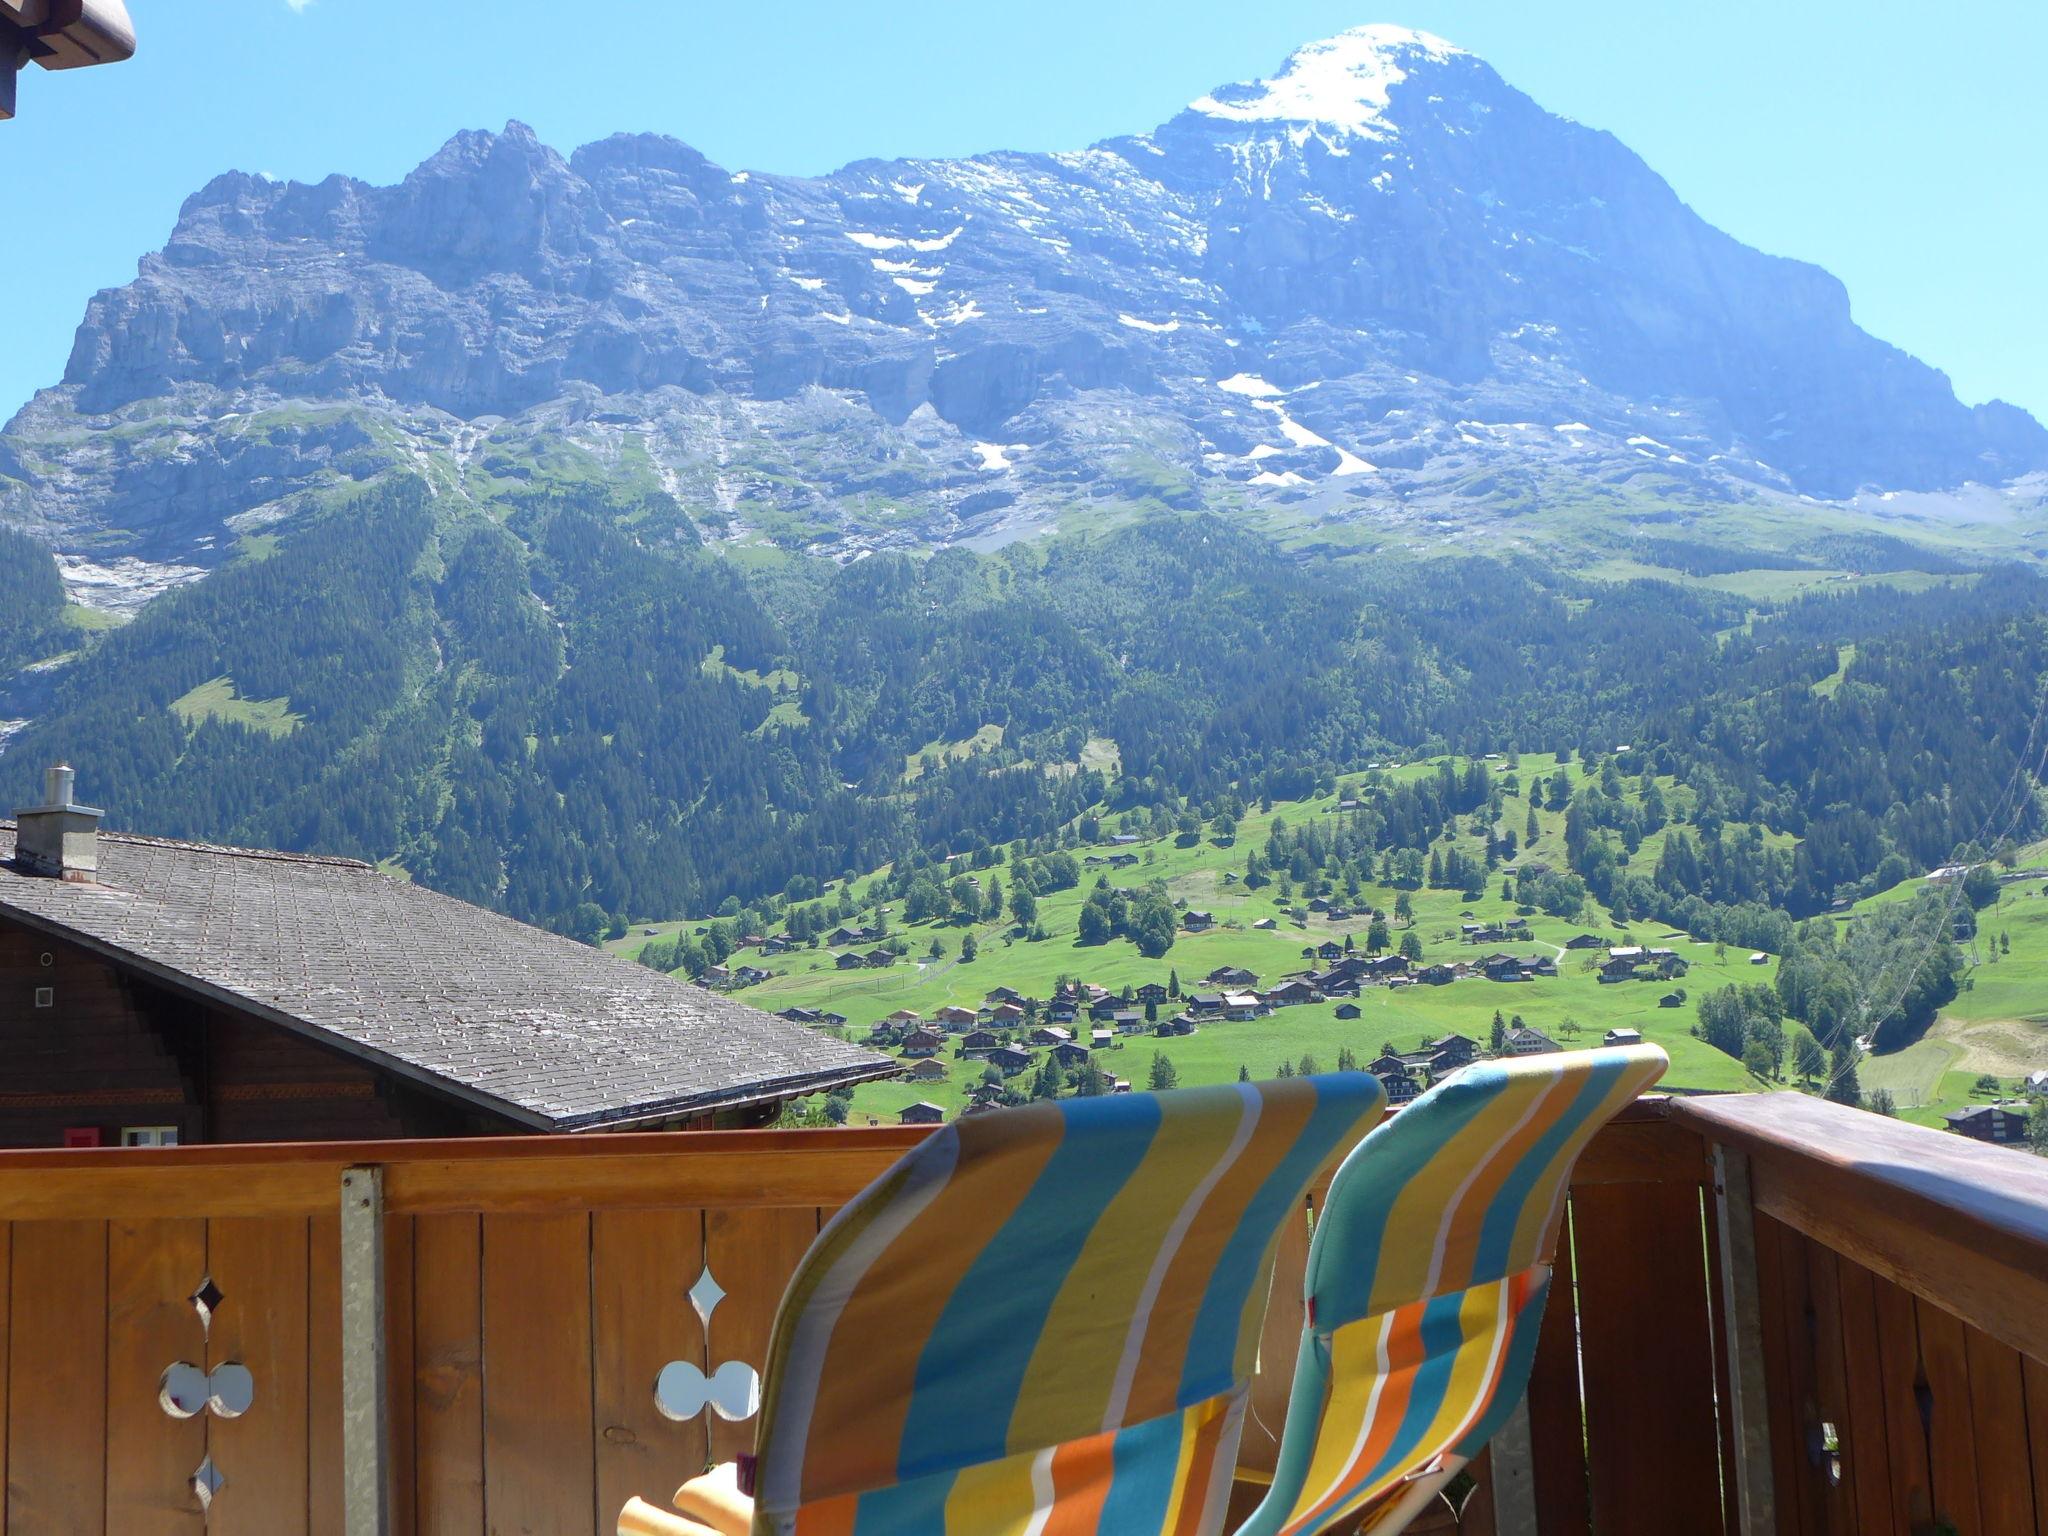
[580, 714]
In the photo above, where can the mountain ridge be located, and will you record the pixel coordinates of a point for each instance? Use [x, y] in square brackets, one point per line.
[1487, 307]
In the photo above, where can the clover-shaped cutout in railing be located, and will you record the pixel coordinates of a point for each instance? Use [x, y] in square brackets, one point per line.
[226, 1391]
[682, 1390]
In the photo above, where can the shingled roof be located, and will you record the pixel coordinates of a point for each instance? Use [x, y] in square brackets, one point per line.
[546, 1031]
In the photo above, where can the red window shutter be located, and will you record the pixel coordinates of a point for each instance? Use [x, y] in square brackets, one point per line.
[82, 1136]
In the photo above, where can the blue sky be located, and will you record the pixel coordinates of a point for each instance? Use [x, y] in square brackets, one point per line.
[1901, 152]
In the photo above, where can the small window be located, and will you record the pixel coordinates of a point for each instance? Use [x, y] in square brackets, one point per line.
[46, 997]
[149, 1136]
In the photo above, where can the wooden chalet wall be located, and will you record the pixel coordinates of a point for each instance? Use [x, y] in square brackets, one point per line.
[115, 1049]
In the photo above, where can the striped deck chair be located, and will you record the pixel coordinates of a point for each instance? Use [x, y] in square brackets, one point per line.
[1041, 1319]
[1425, 1286]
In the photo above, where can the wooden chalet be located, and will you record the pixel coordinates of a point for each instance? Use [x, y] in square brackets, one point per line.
[164, 991]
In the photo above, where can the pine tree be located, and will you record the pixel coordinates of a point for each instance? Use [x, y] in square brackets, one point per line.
[1164, 1074]
[1842, 1085]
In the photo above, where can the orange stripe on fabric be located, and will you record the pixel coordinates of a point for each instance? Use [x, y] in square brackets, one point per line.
[870, 1367]
[1081, 1474]
[1284, 1111]
[817, 1264]
[828, 1517]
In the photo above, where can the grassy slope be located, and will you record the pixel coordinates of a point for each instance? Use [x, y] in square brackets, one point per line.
[216, 699]
[1997, 1023]
[1194, 875]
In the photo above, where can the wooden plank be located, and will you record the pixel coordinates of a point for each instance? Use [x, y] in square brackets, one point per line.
[6, 1332]
[57, 1379]
[751, 1254]
[1279, 1344]
[1479, 1514]
[152, 1269]
[1951, 1436]
[1749, 1497]
[1898, 1339]
[1865, 1462]
[398, 1311]
[1998, 1417]
[260, 1267]
[527, 1174]
[2035, 1376]
[323, 1377]
[1645, 1152]
[447, 1382]
[1833, 1404]
[1787, 1462]
[643, 1264]
[1799, 1429]
[539, 1458]
[1652, 1443]
[1557, 1421]
[1959, 1223]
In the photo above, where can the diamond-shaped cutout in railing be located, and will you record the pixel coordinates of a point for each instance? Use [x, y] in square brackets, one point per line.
[705, 1296]
[207, 1481]
[206, 1301]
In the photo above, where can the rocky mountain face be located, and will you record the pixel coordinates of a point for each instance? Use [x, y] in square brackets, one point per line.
[1381, 285]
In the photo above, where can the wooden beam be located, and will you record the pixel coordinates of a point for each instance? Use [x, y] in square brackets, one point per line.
[1755, 1497]
[534, 1175]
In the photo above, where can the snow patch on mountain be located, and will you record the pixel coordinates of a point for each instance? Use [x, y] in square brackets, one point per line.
[1343, 82]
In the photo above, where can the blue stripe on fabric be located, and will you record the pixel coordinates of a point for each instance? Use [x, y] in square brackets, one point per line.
[1491, 1258]
[1211, 1366]
[906, 1509]
[972, 1366]
[1344, 1260]
[1145, 1456]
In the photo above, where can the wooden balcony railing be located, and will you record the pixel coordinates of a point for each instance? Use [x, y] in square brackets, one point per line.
[1771, 1315]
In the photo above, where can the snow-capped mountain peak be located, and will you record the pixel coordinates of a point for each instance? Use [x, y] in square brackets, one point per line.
[1343, 82]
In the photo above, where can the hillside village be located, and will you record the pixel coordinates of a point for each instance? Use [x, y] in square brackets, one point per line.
[1267, 971]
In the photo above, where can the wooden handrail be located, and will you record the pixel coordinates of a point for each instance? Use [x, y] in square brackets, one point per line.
[1960, 1223]
[523, 1174]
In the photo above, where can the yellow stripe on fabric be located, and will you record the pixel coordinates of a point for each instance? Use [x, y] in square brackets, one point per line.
[1064, 1385]
[997, 1497]
[1191, 1434]
[1349, 1451]
[1360, 1377]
